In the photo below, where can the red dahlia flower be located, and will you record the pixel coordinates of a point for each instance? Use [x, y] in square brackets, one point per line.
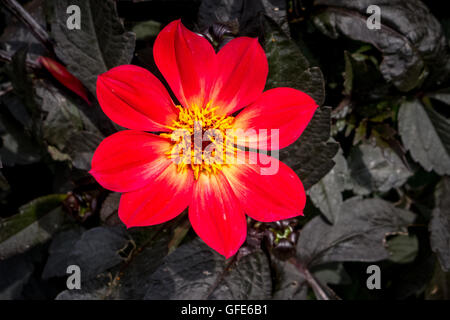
[210, 88]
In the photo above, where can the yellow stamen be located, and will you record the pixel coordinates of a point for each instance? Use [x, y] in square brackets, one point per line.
[192, 123]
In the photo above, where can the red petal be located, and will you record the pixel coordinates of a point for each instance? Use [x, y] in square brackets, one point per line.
[216, 216]
[187, 61]
[134, 98]
[242, 73]
[284, 109]
[65, 77]
[127, 160]
[268, 190]
[160, 201]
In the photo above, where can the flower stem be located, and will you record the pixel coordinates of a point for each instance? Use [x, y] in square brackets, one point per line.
[221, 276]
[313, 283]
[7, 57]
[21, 14]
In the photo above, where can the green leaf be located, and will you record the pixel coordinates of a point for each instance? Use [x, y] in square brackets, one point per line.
[311, 156]
[440, 224]
[426, 134]
[287, 65]
[101, 43]
[146, 29]
[358, 233]
[35, 223]
[411, 39]
[375, 168]
[195, 271]
[403, 248]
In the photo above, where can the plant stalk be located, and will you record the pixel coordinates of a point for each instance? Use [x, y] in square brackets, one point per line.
[22, 15]
[310, 279]
[6, 57]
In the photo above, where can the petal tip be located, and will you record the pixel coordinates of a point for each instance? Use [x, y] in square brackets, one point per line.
[227, 253]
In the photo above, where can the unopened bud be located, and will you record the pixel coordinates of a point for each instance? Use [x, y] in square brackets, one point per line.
[65, 77]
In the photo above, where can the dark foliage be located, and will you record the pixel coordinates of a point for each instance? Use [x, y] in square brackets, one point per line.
[375, 159]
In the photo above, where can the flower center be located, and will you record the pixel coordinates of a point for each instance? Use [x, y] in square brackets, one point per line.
[200, 140]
